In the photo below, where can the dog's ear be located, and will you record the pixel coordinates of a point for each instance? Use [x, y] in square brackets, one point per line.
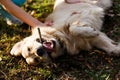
[17, 49]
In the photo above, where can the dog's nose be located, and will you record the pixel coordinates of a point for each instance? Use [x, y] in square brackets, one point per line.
[40, 51]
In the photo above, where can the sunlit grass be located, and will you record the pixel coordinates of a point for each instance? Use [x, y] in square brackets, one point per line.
[92, 65]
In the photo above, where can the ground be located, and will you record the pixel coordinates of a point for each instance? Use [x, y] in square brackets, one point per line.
[92, 65]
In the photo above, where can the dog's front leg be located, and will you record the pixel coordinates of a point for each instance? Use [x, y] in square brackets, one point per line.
[105, 43]
[83, 30]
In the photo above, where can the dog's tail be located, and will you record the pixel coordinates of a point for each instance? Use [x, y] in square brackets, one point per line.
[105, 4]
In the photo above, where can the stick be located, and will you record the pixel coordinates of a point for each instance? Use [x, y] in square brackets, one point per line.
[40, 35]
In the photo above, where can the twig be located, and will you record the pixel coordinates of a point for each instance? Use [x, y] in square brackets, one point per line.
[40, 35]
[3, 74]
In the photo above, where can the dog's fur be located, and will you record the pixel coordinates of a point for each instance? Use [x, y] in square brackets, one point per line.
[75, 27]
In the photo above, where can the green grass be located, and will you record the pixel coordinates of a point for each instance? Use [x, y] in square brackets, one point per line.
[92, 65]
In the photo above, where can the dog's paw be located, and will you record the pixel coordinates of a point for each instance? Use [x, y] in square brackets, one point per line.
[84, 31]
[88, 32]
[16, 50]
[115, 51]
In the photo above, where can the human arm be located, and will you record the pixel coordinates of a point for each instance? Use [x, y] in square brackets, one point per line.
[20, 13]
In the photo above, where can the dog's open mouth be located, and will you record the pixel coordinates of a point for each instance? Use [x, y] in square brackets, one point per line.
[49, 45]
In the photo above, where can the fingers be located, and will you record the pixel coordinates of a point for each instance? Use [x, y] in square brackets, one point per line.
[48, 23]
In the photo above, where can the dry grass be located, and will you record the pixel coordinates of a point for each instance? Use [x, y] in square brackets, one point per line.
[93, 65]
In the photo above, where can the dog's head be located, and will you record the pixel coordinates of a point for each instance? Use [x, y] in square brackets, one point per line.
[46, 50]
[35, 51]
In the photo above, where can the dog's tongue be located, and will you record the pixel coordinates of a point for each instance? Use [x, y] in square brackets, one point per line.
[48, 46]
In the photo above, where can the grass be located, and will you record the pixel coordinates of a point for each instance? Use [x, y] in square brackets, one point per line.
[92, 65]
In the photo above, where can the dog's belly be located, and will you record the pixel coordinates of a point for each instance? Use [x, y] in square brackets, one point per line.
[82, 13]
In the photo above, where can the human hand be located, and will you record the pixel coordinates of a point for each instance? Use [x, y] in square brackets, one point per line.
[48, 23]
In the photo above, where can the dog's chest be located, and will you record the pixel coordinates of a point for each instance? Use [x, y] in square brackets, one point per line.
[74, 44]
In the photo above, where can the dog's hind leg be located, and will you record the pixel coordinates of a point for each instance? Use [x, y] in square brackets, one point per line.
[105, 4]
[105, 43]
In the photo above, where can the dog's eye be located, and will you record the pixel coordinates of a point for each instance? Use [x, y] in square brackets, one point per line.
[29, 49]
[38, 40]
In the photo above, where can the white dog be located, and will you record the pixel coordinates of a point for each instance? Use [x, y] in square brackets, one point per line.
[75, 27]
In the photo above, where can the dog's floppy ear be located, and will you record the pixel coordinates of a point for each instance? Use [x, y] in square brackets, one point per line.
[17, 49]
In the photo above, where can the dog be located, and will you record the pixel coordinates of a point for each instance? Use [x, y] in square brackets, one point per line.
[75, 27]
